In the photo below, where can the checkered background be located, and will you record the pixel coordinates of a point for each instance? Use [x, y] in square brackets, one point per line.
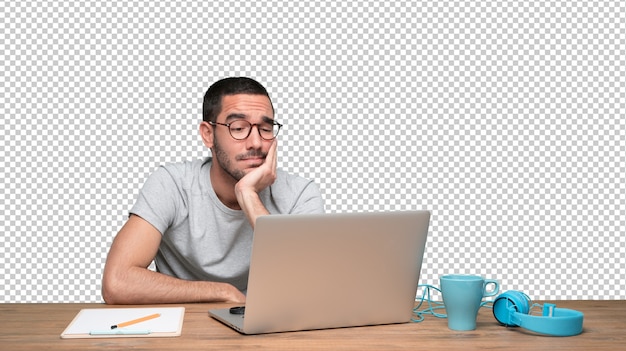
[506, 119]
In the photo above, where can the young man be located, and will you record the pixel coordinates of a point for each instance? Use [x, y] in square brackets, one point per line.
[196, 219]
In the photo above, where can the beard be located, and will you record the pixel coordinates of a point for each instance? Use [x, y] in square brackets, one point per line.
[222, 159]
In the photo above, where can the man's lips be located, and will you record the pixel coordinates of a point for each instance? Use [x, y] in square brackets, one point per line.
[253, 161]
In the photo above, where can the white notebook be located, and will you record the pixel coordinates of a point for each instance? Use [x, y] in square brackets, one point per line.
[97, 322]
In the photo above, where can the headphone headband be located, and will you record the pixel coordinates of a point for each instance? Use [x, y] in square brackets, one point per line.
[512, 307]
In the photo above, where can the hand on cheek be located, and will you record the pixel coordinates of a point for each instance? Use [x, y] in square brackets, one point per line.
[262, 176]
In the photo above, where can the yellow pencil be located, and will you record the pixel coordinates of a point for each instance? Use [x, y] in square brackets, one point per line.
[135, 321]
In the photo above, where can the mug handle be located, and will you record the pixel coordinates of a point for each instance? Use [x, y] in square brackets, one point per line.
[495, 290]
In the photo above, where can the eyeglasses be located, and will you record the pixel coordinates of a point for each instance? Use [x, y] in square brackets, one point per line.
[240, 129]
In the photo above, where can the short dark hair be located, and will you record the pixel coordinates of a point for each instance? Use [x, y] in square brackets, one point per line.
[212, 104]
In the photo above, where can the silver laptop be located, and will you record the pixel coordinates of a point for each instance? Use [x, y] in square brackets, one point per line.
[331, 271]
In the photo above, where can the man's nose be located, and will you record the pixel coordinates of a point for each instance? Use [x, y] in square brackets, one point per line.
[254, 140]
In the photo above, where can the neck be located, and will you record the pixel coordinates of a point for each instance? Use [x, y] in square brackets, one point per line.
[224, 187]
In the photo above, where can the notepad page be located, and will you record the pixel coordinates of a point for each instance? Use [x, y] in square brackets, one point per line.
[100, 319]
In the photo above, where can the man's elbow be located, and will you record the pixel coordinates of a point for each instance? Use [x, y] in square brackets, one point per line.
[108, 296]
[111, 290]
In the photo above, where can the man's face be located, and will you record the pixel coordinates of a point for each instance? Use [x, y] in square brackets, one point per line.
[238, 157]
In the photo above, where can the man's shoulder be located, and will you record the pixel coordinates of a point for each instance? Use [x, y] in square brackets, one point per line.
[286, 179]
[184, 168]
[296, 194]
[182, 174]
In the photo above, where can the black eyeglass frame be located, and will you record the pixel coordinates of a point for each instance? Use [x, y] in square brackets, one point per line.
[274, 123]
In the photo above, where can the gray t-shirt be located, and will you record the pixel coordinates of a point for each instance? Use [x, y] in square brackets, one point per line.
[202, 239]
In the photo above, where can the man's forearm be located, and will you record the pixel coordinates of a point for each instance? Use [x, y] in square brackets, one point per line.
[251, 205]
[142, 286]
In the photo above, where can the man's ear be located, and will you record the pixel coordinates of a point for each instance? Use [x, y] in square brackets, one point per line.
[206, 133]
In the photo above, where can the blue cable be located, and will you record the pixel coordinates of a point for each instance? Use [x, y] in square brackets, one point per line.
[433, 305]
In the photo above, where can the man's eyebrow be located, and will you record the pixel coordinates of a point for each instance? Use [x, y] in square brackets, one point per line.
[268, 119]
[234, 116]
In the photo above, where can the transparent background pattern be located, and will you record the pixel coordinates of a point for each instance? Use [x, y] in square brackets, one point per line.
[505, 119]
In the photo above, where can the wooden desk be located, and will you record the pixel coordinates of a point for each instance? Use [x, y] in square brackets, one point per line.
[38, 326]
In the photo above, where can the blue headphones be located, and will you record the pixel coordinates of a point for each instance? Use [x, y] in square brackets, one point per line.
[512, 309]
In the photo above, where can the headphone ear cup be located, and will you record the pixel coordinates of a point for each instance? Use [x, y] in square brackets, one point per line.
[512, 309]
[508, 303]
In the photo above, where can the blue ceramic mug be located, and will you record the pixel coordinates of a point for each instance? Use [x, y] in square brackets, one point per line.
[462, 296]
